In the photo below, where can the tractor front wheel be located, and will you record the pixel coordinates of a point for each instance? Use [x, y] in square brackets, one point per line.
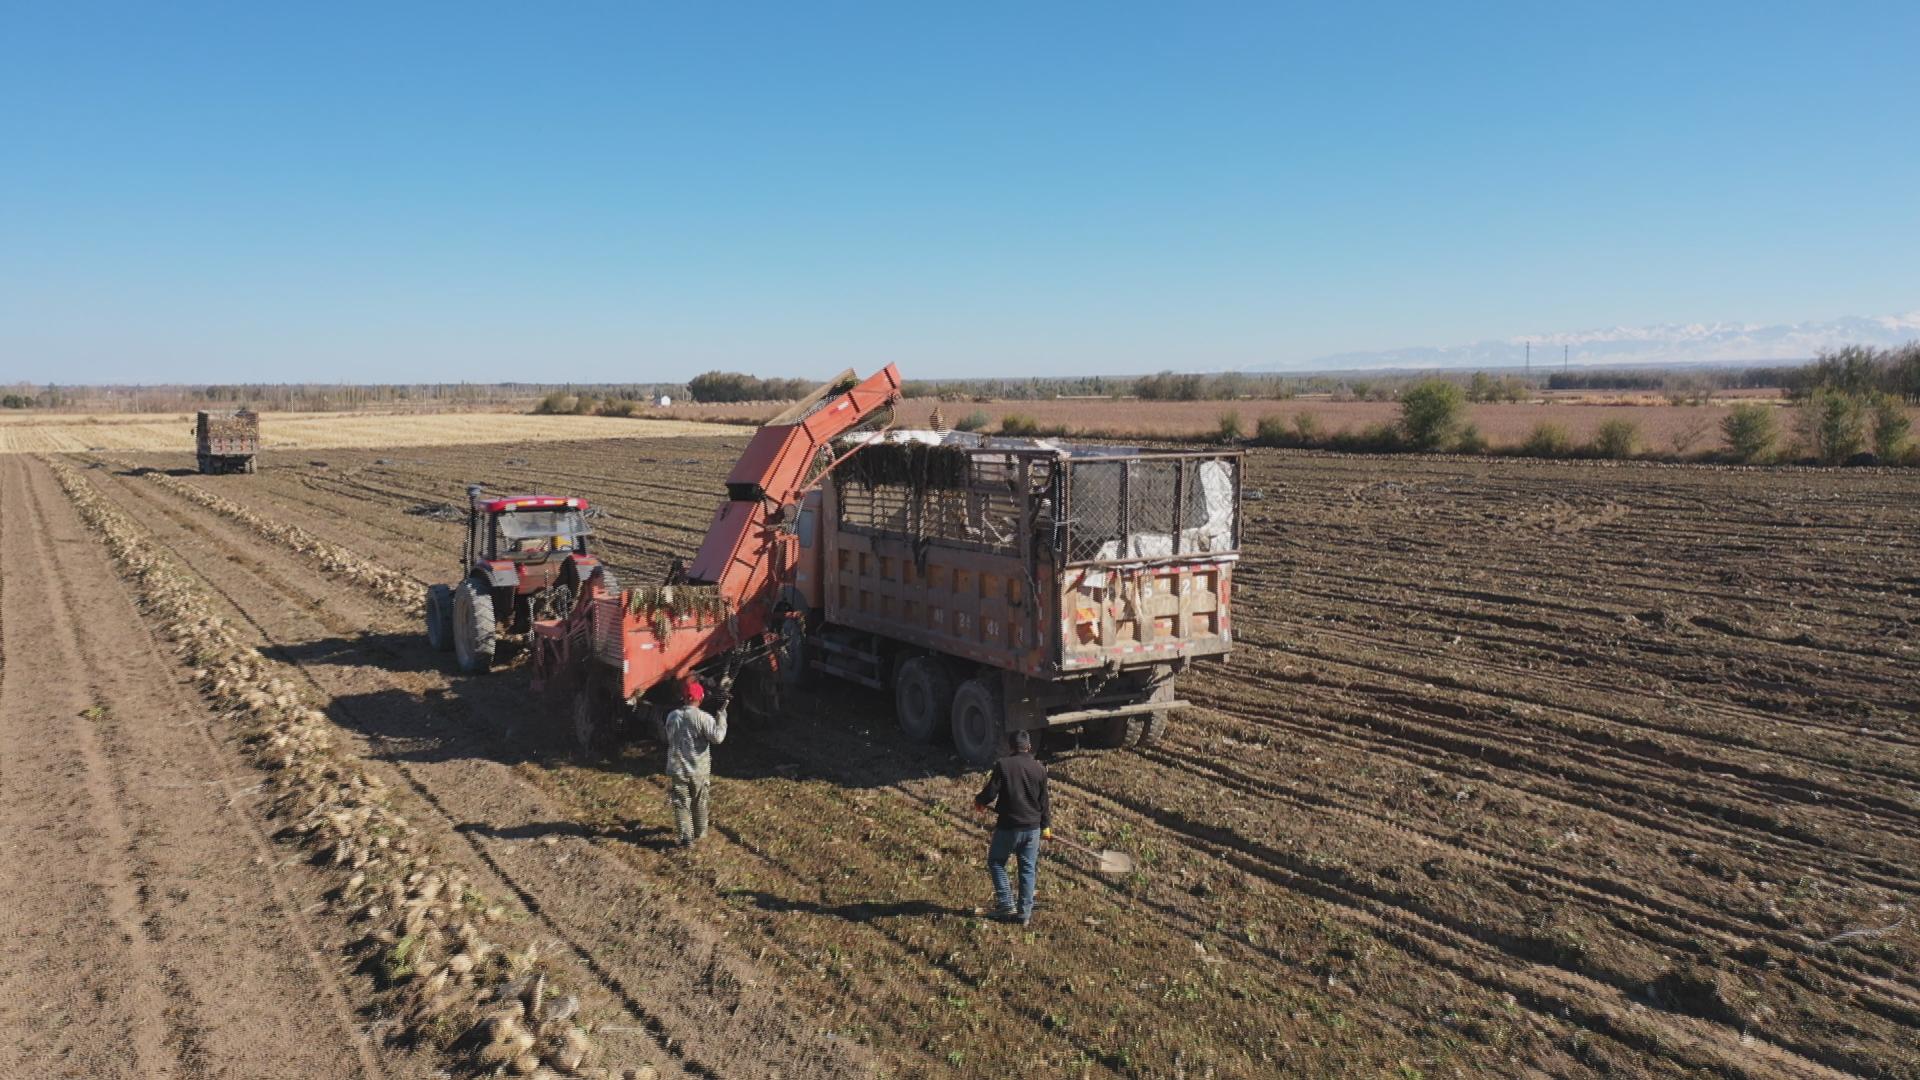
[592, 721]
[473, 626]
[440, 617]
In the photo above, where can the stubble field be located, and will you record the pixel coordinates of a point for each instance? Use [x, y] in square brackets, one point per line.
[1519, 767]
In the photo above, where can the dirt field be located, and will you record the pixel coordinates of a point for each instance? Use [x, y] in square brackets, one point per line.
[1520, 767]
[67, 433]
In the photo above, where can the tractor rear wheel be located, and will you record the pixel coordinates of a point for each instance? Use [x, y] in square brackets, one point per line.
[440, 617]
[473, 626]
[979, 723]
[923, 697]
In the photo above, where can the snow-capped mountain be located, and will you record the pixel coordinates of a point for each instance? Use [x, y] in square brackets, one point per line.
[1691, 343]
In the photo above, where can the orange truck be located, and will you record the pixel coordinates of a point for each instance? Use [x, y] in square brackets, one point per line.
[991, 584]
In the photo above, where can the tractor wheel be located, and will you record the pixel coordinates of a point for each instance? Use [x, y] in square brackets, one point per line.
[473, 626]
[440, 617]
[1115, 732]
[979, 723]
[923, 697]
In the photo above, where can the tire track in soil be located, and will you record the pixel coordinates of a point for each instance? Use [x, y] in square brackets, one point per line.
[572, 904]
[211, 888]
[1459, 946]
[70, 920]
[1606, 897]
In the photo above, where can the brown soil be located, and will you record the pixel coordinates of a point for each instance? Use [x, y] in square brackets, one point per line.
[1531, 768]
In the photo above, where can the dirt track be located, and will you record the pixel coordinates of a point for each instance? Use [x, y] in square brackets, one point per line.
[1520, 766]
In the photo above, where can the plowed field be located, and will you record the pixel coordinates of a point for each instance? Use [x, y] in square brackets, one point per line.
[1519, 767]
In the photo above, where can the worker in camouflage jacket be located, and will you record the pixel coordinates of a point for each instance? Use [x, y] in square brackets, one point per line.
[691, 733]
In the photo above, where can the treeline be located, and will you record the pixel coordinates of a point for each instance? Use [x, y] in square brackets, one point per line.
[731, 386]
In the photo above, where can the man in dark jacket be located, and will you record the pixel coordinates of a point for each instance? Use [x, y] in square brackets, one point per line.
[1018, 791]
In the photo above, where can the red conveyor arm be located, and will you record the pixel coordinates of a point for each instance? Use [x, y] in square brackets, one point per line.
[770, 475]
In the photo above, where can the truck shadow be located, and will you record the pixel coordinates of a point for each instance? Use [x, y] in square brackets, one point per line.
[859, 913]
[417, 709]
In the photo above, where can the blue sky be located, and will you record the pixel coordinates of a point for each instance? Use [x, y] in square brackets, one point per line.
[627, 191]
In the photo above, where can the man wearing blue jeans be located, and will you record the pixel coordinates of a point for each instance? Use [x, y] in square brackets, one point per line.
[1017, 790]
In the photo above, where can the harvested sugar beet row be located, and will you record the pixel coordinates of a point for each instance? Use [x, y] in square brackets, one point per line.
[396, 587]
[447, 967]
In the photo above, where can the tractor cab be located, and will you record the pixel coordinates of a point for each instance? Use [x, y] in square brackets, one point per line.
[525, 558]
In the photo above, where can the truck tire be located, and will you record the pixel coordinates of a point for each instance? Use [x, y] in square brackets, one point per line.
[203, 464]
[251, 467]
[473, 626]
[979, 723]
[1155, 728]
[793, 652]
[440, 617]
[1116, 732]
[923, 697]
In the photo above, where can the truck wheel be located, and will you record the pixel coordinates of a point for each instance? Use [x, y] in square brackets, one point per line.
[440, 617]
[979, 724]
[252, 467]
[923, 697]
[1156, 727]
[201, 463]
[1117, 731]
[473, 626]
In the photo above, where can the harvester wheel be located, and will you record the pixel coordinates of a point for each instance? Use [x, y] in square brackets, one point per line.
[592, 721]
[440, 617]
[1117, 731]
[923, 697]
[793, 652]
[979, 723]
[756, 693]
[473, 625]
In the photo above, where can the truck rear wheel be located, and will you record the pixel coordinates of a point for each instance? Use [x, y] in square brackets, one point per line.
[473, 626]
[979, 723]
[923, 697]
[1118, 731]
[440, 617]
[1156, 727]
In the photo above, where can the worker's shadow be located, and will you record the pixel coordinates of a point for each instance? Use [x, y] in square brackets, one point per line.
[860, 913]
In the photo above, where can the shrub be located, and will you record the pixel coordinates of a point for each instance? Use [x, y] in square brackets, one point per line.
[557, 403]
[1547, 440]
[1616, 439]
[1470, 441]
[1272, 431]
[1750, 431]
[1373, 439]
[1229, 429]
[1430, 411]
[1019, 424]
[1832, 424]
[973, 421]
[1890, 426]
[1307, 426]
[618, 407]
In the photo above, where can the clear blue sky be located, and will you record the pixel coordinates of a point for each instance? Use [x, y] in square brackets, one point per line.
[628, 191]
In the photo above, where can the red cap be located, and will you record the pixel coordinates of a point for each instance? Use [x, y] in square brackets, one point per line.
[692, 691]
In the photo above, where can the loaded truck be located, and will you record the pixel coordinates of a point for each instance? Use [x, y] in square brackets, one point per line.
[991, 585]
[227, 442]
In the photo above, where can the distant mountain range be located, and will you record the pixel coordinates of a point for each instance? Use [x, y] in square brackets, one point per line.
[1691, 343]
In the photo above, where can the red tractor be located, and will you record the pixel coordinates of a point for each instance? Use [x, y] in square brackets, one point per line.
[525, 559]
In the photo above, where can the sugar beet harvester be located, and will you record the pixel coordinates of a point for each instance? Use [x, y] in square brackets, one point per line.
[992, 584]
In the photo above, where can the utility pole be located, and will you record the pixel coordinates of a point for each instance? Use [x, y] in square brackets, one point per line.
[1529, 359]
[1563, 358]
